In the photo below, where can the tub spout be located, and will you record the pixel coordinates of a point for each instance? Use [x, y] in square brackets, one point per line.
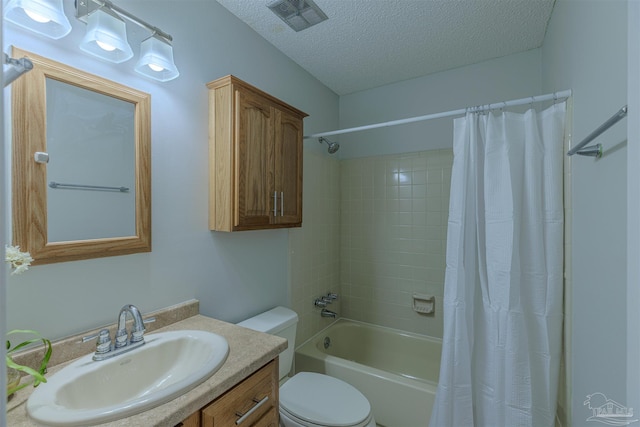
[328, 313]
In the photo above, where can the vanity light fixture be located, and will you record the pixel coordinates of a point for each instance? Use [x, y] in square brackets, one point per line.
[106, 38]
[156, 59]
[45, 17]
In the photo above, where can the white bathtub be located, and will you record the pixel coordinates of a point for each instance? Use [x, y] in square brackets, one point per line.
[397, 371]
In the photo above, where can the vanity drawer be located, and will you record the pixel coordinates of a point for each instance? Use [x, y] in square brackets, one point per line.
[270, 419]
[253, 402]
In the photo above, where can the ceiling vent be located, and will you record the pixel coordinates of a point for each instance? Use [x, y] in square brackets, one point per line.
[298, 14]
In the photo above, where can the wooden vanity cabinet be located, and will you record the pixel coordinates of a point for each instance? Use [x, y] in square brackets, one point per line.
[192, 421]
[255, 158]
[251, 403]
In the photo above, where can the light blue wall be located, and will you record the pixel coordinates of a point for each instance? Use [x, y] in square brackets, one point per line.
[501, 79]
[233, 275]
[585, 49]
[633, 204]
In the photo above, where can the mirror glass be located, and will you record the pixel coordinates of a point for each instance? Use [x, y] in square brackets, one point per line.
[92, 198]
[91, 168]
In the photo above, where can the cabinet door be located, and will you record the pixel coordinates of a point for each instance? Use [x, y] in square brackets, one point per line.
[254, 159]
[288, 168]
[192, 421]
[252, 403]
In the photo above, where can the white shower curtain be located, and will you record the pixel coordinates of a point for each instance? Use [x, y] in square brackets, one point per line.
[503, 286]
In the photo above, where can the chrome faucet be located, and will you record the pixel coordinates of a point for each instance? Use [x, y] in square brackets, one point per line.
[106, 349]
[122, 337]
[328, 313]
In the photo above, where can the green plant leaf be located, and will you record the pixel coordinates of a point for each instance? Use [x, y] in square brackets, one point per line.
[38, 375]
[26, 369]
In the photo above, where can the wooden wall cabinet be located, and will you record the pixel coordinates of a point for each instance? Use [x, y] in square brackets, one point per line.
[255, 158]
[251, 403]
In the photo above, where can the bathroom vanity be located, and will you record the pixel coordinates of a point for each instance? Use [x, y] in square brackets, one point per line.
[245, 385]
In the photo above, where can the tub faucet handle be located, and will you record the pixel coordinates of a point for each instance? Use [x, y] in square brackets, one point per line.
[332, 296]
[320, 303]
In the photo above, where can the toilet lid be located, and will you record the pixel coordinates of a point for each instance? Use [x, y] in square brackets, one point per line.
[323, 400]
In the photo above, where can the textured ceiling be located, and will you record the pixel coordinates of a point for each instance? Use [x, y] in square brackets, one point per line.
[370, 43]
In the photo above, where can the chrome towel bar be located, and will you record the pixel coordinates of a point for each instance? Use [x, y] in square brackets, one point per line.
[54, 184]
[596, 150]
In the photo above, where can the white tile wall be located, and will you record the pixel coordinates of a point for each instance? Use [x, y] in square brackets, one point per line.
[393, 230]
[314, 249]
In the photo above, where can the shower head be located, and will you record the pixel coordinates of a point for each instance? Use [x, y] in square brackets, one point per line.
[333, 146]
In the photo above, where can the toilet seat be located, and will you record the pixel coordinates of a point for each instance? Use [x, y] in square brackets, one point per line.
[321, 400]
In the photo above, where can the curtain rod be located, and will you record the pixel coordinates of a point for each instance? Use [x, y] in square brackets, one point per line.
[17, 68]
[564, 94]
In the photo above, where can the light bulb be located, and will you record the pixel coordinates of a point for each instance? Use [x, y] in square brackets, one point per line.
[44, 17]
[105, 46]
[106, 36]
[156, 59]
[36, 16]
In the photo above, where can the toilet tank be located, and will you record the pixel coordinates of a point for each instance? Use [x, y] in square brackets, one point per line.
[279, 321]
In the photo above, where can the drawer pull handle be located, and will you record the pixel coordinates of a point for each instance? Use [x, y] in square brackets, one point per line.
[258, 403]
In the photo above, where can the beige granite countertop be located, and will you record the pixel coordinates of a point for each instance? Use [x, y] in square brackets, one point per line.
[248, 351]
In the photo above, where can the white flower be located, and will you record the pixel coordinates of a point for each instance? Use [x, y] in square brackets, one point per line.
[19, 261]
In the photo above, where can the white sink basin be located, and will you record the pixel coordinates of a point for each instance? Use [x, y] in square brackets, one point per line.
[87, 392]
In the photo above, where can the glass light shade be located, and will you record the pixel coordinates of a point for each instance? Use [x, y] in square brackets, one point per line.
[156, 59]
[106, 37]
[45, 17]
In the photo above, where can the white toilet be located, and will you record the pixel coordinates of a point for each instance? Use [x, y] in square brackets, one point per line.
[309, 399]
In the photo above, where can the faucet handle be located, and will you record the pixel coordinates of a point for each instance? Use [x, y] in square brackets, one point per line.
[137, 327]
[103, 345]
[332, 296]
[122, 338]
[136, 334]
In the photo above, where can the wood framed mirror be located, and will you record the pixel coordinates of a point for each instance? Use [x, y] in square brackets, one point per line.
[81, 164]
